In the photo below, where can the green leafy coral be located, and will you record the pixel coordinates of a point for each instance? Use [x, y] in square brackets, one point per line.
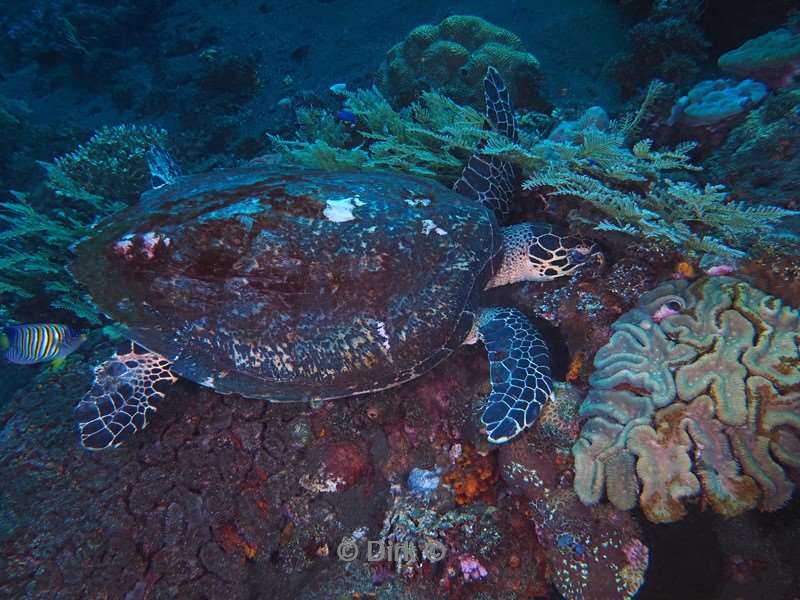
[619, 186]
[432, 137]
[88, 184]
[112, 164]
[630, 189]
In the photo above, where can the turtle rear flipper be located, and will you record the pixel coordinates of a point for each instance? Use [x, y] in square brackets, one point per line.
[519, 370]
[486, 178]
[119, 401]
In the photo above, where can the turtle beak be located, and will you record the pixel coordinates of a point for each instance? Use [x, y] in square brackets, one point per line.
[600, 258]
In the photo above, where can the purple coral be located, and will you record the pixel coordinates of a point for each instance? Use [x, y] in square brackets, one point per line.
[471, 568]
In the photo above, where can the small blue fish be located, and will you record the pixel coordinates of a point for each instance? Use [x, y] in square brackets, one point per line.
[346, 116]
[32, 344]
[564, 541]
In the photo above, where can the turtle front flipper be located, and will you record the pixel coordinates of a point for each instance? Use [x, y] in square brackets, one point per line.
[499, 109]
[119, 400]
[519, 370]
[486, 178]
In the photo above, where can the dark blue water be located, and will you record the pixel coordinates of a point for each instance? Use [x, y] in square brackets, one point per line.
[527, 273]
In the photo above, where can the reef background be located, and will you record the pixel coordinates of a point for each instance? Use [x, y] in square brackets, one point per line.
[185, 508]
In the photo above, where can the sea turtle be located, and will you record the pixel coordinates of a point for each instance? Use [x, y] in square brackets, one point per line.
[292, 285]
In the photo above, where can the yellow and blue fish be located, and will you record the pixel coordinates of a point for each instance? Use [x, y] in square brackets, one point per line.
[38, 343]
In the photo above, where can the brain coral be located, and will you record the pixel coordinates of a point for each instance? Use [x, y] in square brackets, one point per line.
[453, 56]
[705, 401]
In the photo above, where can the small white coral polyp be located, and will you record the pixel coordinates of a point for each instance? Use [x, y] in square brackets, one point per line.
[704, 402]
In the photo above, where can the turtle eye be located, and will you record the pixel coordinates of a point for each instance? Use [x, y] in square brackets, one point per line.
[579, 255]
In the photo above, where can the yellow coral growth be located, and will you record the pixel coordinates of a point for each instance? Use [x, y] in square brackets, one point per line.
[473, 477]
[453, 56]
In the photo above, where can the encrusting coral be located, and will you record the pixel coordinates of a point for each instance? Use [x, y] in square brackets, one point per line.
[711, 102]
[593, 551]
[696, 393]
[773, 58]
[452, 57]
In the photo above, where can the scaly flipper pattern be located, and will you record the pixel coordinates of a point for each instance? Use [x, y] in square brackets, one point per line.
[489, 179]
[499, 110]
[519, 369]
[119, 401]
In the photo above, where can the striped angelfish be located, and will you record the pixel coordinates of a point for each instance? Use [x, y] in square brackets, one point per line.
[31, 344]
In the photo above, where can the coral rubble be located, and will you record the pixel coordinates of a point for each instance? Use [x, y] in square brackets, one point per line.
[593, 551]
[702, 402]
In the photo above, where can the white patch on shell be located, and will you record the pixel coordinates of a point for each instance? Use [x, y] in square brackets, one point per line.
[321, 482]
[384, 336]
[428, 226]
[340, 211]
[208, 382]
[416, 202]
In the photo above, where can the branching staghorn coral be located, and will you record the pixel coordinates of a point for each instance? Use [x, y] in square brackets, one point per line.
[702, 398]
[89, 184]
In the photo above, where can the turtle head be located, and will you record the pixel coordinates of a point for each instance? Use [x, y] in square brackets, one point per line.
[555, 255]
[540, 252]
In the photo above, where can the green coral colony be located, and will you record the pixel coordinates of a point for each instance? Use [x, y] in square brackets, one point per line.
[694, 397]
